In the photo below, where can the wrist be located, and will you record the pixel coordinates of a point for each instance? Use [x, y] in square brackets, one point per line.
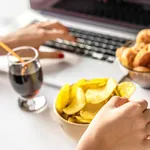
[9, 42]
[91, 142]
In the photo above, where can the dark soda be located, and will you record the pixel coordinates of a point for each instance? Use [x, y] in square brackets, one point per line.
[28, 83]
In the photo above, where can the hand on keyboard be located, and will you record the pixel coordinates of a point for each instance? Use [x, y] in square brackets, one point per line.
[89, 44]
[36, 34]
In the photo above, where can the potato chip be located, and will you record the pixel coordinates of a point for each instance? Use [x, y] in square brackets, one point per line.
[73, 91]
[80, 82]
[82, 120]
[95, 96]
[65, 116]
[126, 89]
[77, 104]
[71, 119]
[94, 83]
[90, 110]
[116, 92]
[74, 87]
[63, 98]
[80, 102]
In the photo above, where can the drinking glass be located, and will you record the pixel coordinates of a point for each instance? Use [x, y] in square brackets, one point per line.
[27, 78]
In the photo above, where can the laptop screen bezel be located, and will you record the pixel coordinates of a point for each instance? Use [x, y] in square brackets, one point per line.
[44, 6]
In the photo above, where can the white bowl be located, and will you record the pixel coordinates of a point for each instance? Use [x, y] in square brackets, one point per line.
[73, 130]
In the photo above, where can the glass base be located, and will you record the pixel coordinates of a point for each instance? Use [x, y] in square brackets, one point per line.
[33, 105]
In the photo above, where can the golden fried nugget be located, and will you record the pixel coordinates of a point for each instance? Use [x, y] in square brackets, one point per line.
[141, 69]
[143, 36]
[119, 52]
[127, 57]
[140, 46]
[142, 59]
[148, 66]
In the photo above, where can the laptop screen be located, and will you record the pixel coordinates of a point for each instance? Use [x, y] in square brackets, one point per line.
[128, 13]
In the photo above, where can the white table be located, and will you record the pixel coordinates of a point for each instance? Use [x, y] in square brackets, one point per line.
[28, 131]
[20, 130]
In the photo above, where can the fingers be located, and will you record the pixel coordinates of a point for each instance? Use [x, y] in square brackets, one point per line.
[51, 55]
[53, 25]
[52, 30]
[147, 115]
[148, 128]
[143, 103]
[55, 34]
[146, 144]
[117, 101]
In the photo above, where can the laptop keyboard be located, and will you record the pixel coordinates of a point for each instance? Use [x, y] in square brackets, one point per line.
[89, 44]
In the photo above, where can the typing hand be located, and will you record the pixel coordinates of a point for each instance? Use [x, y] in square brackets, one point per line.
[36, 34]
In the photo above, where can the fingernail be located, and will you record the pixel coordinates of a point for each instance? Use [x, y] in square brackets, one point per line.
[61, 55]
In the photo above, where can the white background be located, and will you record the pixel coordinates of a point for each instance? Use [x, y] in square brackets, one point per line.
[10, 9]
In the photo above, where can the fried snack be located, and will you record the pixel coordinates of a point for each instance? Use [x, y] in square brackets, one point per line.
[140, 46]
[82, 120]
[65, 116]
[149, 47]
[90, 110]
[148, 65]
[77, 104]
[71, 119]
[119, 52]
[142, 59]
[141, 69]
[127, 57]
[143, 36]
[93, 83]
[95, 96]
[83, 107]
[125, 89]
[116, 92]
[63, 98]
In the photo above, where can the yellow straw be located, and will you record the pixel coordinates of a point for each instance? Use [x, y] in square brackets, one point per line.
[5, 47]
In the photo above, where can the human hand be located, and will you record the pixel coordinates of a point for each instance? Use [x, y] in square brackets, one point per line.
[36, 34]
[119, 125]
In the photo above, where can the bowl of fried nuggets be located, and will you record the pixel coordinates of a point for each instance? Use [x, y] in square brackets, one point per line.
[135, 57]
[76, 105]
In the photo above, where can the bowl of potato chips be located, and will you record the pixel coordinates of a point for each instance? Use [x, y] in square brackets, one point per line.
[76, 105]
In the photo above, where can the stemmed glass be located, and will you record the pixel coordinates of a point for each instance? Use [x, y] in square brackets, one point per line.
[26, 78]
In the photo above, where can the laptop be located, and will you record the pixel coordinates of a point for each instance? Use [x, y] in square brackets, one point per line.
[101, 26]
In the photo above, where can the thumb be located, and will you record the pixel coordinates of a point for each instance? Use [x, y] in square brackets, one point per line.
[117, 101]
[51, 55]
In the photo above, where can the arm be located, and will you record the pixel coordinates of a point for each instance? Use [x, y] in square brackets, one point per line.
[8, 42]
[35, 35]
[120, 125]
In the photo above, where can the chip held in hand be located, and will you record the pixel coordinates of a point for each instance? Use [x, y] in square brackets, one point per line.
[80, 102]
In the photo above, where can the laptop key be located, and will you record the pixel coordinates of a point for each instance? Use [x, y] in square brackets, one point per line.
[104, 57]
[111, 59]
[96, 44]
[97, 55]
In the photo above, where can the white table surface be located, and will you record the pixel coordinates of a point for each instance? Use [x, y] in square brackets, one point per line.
[20, 130]
[28, 131]
[10, 9]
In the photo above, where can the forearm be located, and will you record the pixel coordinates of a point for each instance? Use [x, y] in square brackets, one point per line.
[89, 142]
[9, 42]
